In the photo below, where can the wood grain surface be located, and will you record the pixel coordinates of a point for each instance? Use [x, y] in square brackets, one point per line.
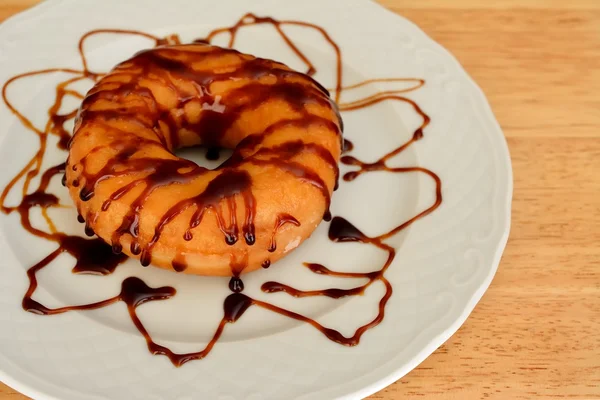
[536, 332]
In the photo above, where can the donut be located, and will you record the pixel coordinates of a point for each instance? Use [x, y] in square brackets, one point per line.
[132, 191]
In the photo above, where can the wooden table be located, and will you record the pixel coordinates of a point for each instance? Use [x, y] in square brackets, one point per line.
[536, 332]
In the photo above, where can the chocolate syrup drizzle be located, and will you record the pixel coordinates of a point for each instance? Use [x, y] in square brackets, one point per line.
[94, 256]
[164, 64]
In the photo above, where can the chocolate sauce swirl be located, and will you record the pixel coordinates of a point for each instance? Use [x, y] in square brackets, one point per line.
[94, 256]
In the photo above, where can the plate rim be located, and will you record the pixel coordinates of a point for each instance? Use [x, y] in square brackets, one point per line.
[475, 93]
[441, 338]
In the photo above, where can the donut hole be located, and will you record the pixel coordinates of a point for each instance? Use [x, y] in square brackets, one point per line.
[206, 156]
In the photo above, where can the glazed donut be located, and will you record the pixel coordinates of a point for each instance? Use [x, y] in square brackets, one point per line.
[267, 198]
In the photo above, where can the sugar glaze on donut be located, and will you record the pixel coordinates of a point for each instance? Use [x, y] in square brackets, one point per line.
[133, 192]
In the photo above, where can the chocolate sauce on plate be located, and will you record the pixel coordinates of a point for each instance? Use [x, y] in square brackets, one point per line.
[94, 256]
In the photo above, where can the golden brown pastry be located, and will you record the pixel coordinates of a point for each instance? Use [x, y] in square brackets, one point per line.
[133, 192]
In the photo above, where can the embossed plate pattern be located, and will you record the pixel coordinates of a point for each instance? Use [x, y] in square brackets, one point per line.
[444, 264]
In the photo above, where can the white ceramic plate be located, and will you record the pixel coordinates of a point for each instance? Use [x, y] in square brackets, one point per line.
[444, 262]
